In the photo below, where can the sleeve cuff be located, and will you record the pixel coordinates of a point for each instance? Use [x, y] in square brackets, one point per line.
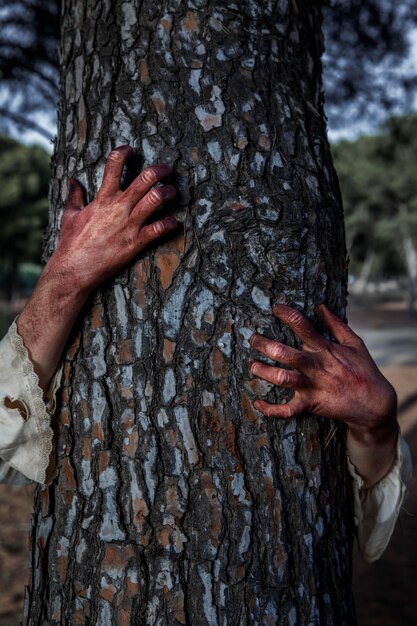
[376, 509]
[28, 443]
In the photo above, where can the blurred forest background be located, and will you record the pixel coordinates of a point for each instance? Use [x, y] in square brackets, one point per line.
[370, 72]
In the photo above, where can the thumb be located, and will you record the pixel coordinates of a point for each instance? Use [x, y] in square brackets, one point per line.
[75, 200]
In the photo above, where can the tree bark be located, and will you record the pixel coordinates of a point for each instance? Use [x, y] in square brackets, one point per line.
[176, 501]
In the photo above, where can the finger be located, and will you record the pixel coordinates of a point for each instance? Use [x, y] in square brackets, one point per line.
[294, 407]
[159, 229]
[75, 200]
[157, 196]
[145, 181]
[338, 328]
[300, 325]
[279, 352]
[113, 170]
[279, 376]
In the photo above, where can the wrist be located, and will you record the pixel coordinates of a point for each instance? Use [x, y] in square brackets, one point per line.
[383, 434]
[64, 281]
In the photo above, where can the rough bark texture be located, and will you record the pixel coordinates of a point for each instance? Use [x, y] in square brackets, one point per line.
[176, 502]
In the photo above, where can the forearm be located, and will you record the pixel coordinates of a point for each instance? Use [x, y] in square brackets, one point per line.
[47, 319]
[373, 453]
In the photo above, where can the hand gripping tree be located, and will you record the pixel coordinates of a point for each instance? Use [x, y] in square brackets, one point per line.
[177, 502]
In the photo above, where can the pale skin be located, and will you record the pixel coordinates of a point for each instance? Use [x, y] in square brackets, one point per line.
[335, 380]
[338, 380]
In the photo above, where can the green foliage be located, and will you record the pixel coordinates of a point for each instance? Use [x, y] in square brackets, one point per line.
[378, 180]
[24, 176]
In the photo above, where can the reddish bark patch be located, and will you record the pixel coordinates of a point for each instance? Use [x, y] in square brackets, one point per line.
[142, 277]
[108, 592]
[168, 350]
[96, 316]
[164, 536]
[242, 142]
[103, 461]
[116, 557]
[195, 155]
[123, 617]
[62, 566]
[190, 23]
[180, 244]
[248, 410]
[70, 478]
[173, 503]
[199, 337]
[159, 105]
[131, 586]
[179, 612]
[212, 419]
[167, 263]
[140, 511]
[166, 24]
[65, 416]
[264, 143]
[98, 431]
[218, 364]
[268, 486]
[256, 386]
[125, 355]
[143, 71]
[262, 442]
[231, 438]
[82, 126]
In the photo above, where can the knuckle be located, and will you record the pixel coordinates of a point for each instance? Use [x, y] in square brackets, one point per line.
[155, 195]
[295, 318]
[115, 156]
[282, 377]
[277, 351]
[359, 342]
[149, 175]
[290, 410]
[158, 228]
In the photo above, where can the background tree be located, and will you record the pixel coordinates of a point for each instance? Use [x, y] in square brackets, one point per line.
[24, 180]
[368, 72]
[29, 64]
[377, 176]
[176, 502]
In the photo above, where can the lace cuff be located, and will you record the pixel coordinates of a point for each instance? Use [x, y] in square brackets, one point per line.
[376, 509]
[26, 440]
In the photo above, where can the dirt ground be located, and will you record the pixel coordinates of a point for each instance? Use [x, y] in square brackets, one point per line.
[385, 591]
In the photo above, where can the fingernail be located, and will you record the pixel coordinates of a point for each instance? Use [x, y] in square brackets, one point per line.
[250, 363]
[252, 339]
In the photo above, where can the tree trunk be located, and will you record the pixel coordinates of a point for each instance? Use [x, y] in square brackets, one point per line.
[177, 502]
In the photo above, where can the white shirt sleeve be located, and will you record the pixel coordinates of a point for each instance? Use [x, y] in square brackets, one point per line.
[26, 436]
[376, 509]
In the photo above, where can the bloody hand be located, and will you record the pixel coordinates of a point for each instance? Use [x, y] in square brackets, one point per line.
[103, 237]
[335, 380]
